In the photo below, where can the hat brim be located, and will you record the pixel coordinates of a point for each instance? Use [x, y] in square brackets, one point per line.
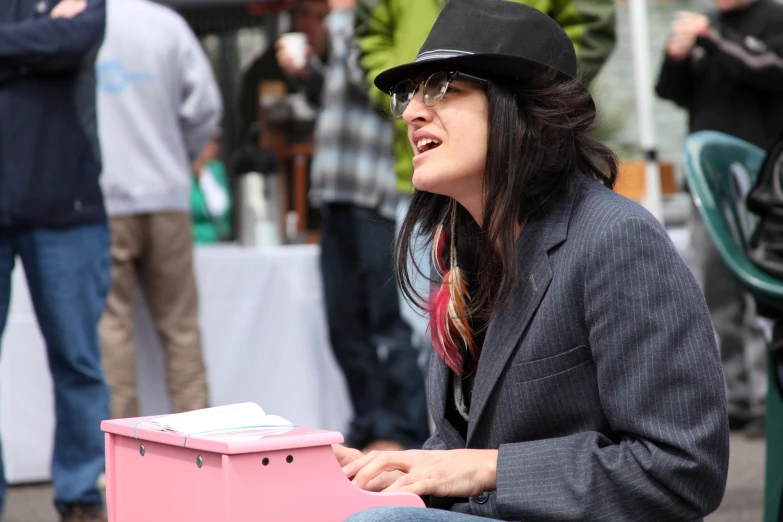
[514, 68]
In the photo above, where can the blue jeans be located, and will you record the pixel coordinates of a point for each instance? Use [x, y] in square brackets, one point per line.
[418, 261]
[68, 274]
[408, 514]
[370, 339]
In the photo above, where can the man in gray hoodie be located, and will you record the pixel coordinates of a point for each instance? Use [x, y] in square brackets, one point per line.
[158, 106]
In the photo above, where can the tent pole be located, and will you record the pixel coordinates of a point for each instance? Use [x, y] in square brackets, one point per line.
[644, 106]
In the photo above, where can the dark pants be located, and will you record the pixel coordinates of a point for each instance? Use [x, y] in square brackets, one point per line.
[743, 346]
[371, 341]
[68, 273]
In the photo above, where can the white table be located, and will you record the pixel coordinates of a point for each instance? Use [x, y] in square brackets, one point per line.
[265, 341]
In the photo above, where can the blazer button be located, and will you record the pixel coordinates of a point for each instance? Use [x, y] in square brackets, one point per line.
[481, 499]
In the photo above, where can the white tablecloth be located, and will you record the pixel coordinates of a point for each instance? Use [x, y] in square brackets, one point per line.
[265, 341]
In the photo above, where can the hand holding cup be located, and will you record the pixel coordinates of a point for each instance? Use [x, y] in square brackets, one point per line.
[685, 29]
[293, 53]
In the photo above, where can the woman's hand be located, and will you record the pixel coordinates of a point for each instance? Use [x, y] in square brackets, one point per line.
[447, 473]
[346, 455]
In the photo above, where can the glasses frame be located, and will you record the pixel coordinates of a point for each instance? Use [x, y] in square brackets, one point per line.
[450, 77]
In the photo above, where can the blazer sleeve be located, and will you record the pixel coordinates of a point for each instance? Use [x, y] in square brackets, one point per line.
[434, 442]
[52, 44]
[661, 387]
[8, 74]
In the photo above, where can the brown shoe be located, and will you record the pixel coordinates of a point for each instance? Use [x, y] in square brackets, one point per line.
[83, 513]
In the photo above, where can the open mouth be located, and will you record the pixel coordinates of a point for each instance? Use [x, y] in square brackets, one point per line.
[426, 144]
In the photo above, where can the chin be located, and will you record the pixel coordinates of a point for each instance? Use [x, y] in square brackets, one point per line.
[424, 182]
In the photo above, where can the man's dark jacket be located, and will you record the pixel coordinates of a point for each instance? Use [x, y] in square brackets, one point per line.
[49, 153]
[733, 79]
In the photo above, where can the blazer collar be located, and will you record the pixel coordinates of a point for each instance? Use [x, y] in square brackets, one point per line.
[538, 237]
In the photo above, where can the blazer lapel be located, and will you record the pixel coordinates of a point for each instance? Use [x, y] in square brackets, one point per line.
[507, 327]
[438, 382]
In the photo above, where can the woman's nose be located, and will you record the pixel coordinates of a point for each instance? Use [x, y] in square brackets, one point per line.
[416, 109]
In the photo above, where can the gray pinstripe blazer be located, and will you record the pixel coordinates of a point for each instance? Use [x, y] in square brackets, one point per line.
[600, 382]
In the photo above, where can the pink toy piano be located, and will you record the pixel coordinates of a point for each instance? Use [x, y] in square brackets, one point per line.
[288, 474]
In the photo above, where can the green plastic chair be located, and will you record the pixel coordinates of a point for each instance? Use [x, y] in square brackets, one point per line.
[720, 170]
[713, 164]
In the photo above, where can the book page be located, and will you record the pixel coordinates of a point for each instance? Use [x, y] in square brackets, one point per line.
[234, 417]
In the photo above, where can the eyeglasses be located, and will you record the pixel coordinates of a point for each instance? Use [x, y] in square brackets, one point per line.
[435, 88]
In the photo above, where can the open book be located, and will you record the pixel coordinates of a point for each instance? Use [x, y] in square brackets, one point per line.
[246, 416]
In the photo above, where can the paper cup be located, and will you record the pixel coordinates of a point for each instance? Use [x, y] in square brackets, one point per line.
[295, 44]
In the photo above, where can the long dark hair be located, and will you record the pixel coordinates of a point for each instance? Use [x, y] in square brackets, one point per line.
[538, 142]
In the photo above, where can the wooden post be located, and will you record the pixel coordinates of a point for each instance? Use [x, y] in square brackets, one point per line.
[631, 179]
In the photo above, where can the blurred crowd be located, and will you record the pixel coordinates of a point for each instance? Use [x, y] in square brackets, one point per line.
[105, 188]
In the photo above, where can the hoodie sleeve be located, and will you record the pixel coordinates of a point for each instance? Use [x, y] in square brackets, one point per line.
[52, 44]
[201, 106]
[591, 26]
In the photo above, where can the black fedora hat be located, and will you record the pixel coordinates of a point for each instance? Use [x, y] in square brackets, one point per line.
[498, 37]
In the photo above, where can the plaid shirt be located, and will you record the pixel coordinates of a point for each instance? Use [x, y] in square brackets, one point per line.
[354, 159]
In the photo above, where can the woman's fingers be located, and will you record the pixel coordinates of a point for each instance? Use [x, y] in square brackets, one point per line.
[422, 487]
[366, 468]
[345, 455]
[404, 480]
[450, 473]
[353, 467]
[420, 481]
[375, 463]
[383, 481]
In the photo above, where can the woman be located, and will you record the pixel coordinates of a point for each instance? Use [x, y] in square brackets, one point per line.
[578, 376]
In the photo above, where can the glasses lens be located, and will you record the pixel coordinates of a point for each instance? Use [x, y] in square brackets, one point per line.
[435, 88]
[401, 95]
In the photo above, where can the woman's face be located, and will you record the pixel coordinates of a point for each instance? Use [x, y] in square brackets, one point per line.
[449, 143]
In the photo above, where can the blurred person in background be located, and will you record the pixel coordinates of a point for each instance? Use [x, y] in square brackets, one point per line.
[726, 70]
[52, 217]
[353, 183]
[390, 33]
[158, 106]
[210, 196]
[308, 18]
